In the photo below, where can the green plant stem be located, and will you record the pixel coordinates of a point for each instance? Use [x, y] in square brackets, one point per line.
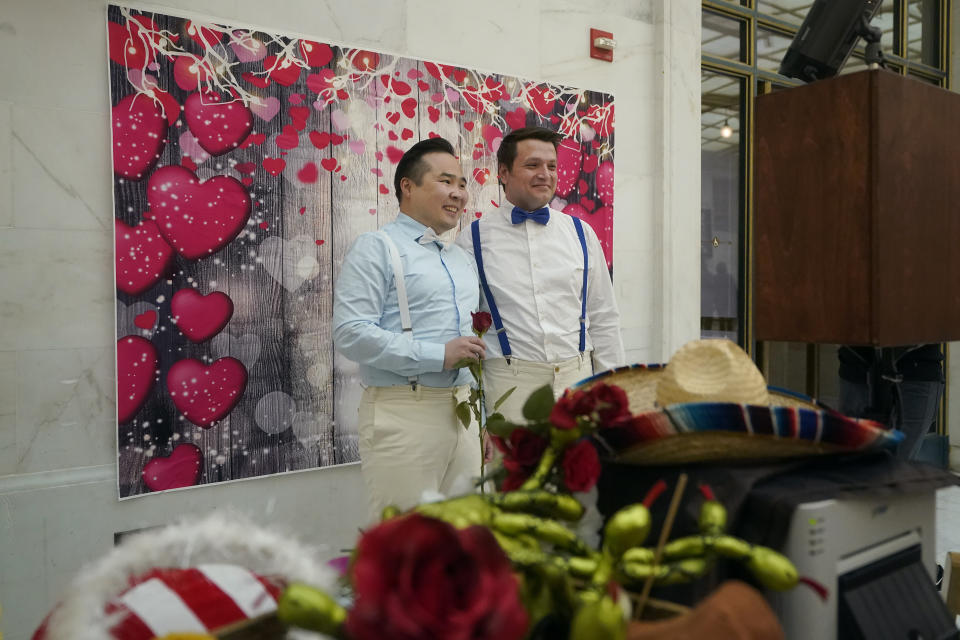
[480, 427]
[546, 464]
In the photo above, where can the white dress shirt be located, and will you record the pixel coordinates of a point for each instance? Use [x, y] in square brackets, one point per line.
[535, 273]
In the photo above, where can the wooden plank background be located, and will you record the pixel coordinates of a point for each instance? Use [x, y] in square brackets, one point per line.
[299, 409]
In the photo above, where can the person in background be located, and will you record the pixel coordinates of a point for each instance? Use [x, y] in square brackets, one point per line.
[544, 280]
[402, 308]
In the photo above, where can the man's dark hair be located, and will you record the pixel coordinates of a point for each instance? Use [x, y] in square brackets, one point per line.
[412, 166]
[507, 152]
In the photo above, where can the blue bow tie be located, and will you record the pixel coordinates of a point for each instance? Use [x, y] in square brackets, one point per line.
[541, 215]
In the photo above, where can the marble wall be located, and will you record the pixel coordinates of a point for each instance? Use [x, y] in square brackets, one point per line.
[58, 503]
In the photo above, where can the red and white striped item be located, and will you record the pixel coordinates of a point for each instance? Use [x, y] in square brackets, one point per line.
[197, 599]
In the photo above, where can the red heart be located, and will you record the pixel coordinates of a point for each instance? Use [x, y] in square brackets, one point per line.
[146, 320]
[200, 317]
[299, 113]
[320, 81]
[588, 204]
[197, 218]
[203, 36]
[582, 186]
[128, 46]
[181, 469]
[329, 163]
[459, 75]
[468, 126]
[517, 119]
[590, 163]
[205, 394]
[136, 374]
[253, 139]
[394, 154]
[316, 54]
[406, 134]
[481, 175]
[434, 113]
[363, 60]
[246, 167]
[409, 107]
[477, 154]
[393, 117]
[393, 136]
[187, 163]
[308, 173]
[335, 139]
[423, 86]
[569, 157]
[286, 72]
[143, 256]
[217, 126]
[139, 136]
[258, 81]
[189, 72]
[289, 139]
[274, 166]
[384, 190]
[171, 107]
[247, 181]
[320, 139]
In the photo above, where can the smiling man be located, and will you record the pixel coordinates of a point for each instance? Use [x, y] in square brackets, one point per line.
[401, 310]
[544, 280]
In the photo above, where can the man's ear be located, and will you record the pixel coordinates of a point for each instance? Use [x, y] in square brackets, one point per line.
[501, 172]
[405, 185]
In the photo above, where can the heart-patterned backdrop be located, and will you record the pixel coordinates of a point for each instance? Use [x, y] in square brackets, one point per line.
[245, 164]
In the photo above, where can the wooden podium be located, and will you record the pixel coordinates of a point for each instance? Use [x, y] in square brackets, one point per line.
[857, 227]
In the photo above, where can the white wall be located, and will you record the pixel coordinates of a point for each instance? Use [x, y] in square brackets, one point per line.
[58, 505]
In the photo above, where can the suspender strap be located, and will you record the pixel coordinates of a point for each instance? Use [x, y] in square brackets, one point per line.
[583, 291]
[497, 322]
[401, 286]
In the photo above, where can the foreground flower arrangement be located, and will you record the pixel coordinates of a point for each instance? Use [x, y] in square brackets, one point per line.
[507, 565]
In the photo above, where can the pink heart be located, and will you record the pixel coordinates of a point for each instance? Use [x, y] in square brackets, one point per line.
[143, 256]
[200, 317]
[246, 47]
[189, 147]
[181, 469]
[320, 81]
[205, 394]
[265, 108]
[340, 120]
[569, 157]
[139, 136]
[196, 218]
[218, 126]
[358, 146]
[136, 373]
[605, 182]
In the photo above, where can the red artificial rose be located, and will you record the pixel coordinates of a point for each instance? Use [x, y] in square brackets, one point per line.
[417, 578]
[570, 405]
[514, 481]
[481, 322]
[525, 449]
[581, 466]
[612, 403]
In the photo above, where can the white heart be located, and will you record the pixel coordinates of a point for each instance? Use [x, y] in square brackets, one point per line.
[290, 262]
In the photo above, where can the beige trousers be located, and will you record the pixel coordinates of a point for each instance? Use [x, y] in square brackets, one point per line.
[527, 377]
[411, 442]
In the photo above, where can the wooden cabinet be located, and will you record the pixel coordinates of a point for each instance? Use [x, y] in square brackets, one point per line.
[856, 226]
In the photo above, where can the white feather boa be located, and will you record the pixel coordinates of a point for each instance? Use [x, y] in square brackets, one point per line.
[219, 538]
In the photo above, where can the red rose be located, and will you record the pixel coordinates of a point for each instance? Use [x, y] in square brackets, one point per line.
[514, 481]
[481, 322]
[417, 578]
[570, 405]
[526, 448]
[581, 466]
[612, 402]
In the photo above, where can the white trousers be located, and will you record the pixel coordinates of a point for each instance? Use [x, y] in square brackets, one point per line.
[527, 377]
[411, 442]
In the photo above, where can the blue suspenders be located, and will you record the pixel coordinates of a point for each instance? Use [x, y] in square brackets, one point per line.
[495, 314]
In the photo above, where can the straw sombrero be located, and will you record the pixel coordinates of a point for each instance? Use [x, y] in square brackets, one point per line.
[711, 403]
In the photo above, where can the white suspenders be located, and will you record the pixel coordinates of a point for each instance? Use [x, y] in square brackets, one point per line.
[401, 286]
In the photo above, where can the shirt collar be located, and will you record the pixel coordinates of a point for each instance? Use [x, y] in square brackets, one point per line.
[409, 227]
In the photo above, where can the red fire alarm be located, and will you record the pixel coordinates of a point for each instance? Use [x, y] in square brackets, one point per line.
[602, 45]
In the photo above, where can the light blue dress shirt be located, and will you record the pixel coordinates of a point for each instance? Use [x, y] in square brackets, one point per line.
[442, 290]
